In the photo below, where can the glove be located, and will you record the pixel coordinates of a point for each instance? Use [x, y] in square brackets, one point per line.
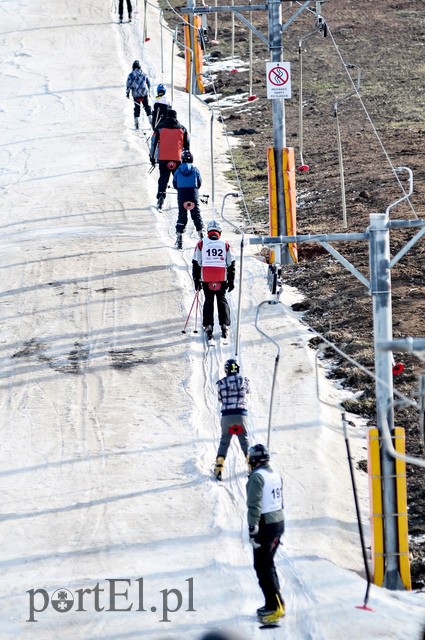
[231, 286]
[152, 159]
[128, 95]
[253, 532]
[198, 284]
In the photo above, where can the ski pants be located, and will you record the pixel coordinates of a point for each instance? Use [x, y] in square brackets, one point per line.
[146, 106]
[227, 422]
[222, 305]
[188, 195]
[121, 9]
[166, 168]
[269, 538]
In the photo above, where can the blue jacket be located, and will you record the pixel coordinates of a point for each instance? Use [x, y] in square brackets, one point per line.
[186, 176]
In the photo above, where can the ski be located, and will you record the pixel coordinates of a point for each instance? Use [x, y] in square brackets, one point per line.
[269, 625]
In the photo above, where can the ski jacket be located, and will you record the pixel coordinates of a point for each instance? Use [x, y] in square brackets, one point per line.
[232, 393]
[138, 83]
[186, 176]
[264, 496]
[160, 109]
[170, 137]
[213, 261]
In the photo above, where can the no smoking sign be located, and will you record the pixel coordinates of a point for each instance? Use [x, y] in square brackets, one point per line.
[278, 79]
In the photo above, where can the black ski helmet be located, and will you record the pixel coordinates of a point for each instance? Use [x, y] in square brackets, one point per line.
[258, 454]
[231, 366]
[136, 65]
[186, 156]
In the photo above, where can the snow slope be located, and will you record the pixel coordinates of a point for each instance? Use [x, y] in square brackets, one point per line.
[109, 417]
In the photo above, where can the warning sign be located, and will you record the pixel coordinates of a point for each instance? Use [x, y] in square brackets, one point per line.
[278, 80]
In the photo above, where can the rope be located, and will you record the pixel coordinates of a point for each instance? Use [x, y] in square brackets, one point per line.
[368, 116]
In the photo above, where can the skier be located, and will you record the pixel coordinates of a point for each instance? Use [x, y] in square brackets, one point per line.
[139, 85]
[121, 9]
[187, 180]
[213, 270]
[232, 393]
[168, 141]
[266, 526]
[160, 105]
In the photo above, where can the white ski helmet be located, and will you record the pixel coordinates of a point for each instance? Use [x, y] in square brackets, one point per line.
[213, 225]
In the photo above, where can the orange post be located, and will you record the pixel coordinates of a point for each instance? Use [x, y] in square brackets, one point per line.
[402, 524]
[289, 191]
[375, 496]
[192, 42]
[273, 212]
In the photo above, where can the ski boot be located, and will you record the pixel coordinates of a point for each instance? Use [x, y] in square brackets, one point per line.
[218, 467]
[136, 123]
[179, 241]
[272, 616]
[209, 331]
[225, 331]
[129, 17]
[160, 201]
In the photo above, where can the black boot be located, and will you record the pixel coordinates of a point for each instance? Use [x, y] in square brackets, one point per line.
[209, 331]
[179, 241]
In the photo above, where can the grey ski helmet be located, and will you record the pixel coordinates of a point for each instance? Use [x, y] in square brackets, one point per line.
[231, 366]
[258, 454]
[186, 156]
[213, 225]
[136, 64]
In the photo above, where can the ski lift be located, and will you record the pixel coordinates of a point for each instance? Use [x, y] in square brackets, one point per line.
[338, 133]
[320, 27]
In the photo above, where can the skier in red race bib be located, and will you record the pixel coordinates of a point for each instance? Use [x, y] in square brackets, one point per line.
[168, 141]
[213, 270]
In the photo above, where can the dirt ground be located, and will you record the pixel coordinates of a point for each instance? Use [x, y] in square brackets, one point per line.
[385, 41]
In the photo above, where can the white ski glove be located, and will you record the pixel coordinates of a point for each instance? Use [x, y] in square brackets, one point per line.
[253, 532]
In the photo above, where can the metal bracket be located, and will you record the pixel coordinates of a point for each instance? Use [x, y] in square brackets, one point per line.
[274, 279]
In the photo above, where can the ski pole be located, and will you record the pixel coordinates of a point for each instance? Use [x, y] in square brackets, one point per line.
[187, 319]
[196, 313]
